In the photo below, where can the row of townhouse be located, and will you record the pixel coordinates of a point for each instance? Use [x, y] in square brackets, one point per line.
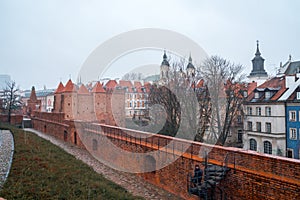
[136, 98]
[272, 114]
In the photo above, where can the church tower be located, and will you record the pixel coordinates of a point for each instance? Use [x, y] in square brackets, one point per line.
[164, 68]
[258, 72]
[190, 69]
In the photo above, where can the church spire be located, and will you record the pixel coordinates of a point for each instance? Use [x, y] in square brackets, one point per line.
[258, 69]
[165, 59]
[257, 49]
[190, 58]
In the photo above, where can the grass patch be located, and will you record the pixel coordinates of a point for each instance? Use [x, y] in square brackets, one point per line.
[41, 170]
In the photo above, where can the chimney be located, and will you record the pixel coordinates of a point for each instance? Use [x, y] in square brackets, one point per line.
[289, 81]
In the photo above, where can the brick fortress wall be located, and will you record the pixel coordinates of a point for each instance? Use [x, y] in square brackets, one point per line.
[252, 175]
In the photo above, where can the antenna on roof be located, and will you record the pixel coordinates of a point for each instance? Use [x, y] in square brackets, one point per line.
[290, 57]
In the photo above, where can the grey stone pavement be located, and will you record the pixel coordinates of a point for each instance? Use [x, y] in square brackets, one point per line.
[6, 154]
[131, 182]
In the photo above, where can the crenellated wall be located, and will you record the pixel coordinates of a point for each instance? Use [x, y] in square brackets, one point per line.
[252, 175]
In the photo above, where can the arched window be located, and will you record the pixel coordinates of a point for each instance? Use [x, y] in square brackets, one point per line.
[253, 145]
[267, 147]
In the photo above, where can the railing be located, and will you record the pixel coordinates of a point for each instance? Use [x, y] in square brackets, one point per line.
[192, 150]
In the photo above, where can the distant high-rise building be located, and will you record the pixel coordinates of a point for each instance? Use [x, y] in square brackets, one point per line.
[3, 81]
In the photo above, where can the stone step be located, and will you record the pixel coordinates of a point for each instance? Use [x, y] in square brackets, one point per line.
[215, 174]
[211, 182]
[215, 178]
[214, 169]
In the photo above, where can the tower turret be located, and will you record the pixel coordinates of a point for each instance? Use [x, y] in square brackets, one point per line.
[190, 69]
[164, 68]
[258, 72]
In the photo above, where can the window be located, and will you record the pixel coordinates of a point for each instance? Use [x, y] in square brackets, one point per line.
[239, 119]
[268, 127]
[268, 95]
[249, 110]
[289, 153]
[267, 147]
[293, 134]
[245, 93]
[258, 111]
[249, 124]
[268, 111]
[258, 126]
[298, 95]
[253, 145]
[229, 134]
[256, 95]
[240, 136]
[292, 115]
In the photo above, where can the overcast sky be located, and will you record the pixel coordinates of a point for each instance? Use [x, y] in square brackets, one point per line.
[43, 42]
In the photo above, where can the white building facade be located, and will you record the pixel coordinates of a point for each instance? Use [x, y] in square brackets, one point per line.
[265, 128]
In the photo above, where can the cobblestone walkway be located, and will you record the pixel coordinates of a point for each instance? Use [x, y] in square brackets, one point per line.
[6, 154]
[134, 184]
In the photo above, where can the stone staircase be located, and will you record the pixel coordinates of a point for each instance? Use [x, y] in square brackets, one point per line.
[213, 175]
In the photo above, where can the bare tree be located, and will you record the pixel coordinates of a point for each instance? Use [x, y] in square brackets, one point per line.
[186, 106]
[10, 99]
[224, 84]
[133, 76]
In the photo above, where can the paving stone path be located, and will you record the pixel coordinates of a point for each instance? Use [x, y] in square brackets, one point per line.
[6, 154]
[132, 183]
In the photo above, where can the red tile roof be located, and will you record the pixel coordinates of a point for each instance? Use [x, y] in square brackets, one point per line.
[83, 90]
[111, 84]
[60, 88]
[273, 84]
[126, 84]
[147, 86]
[251, 86]
[200, 84]
[70, 87]
[138, 86]
[33, 97]
[98, 88]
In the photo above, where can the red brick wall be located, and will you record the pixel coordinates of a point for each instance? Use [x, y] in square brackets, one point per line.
[15, 119]
[252, 175]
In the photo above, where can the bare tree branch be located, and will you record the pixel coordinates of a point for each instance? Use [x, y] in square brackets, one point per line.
[11, 100]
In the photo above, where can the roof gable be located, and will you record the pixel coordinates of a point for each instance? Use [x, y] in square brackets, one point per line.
[111, 84]
[275, 85]
[83, 90]
[70, 87]
[60, 88]
[98, 88]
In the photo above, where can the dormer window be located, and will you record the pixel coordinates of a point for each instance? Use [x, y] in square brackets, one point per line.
[298, 95]
[245, 93]
[256, 95]
[268, 95]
